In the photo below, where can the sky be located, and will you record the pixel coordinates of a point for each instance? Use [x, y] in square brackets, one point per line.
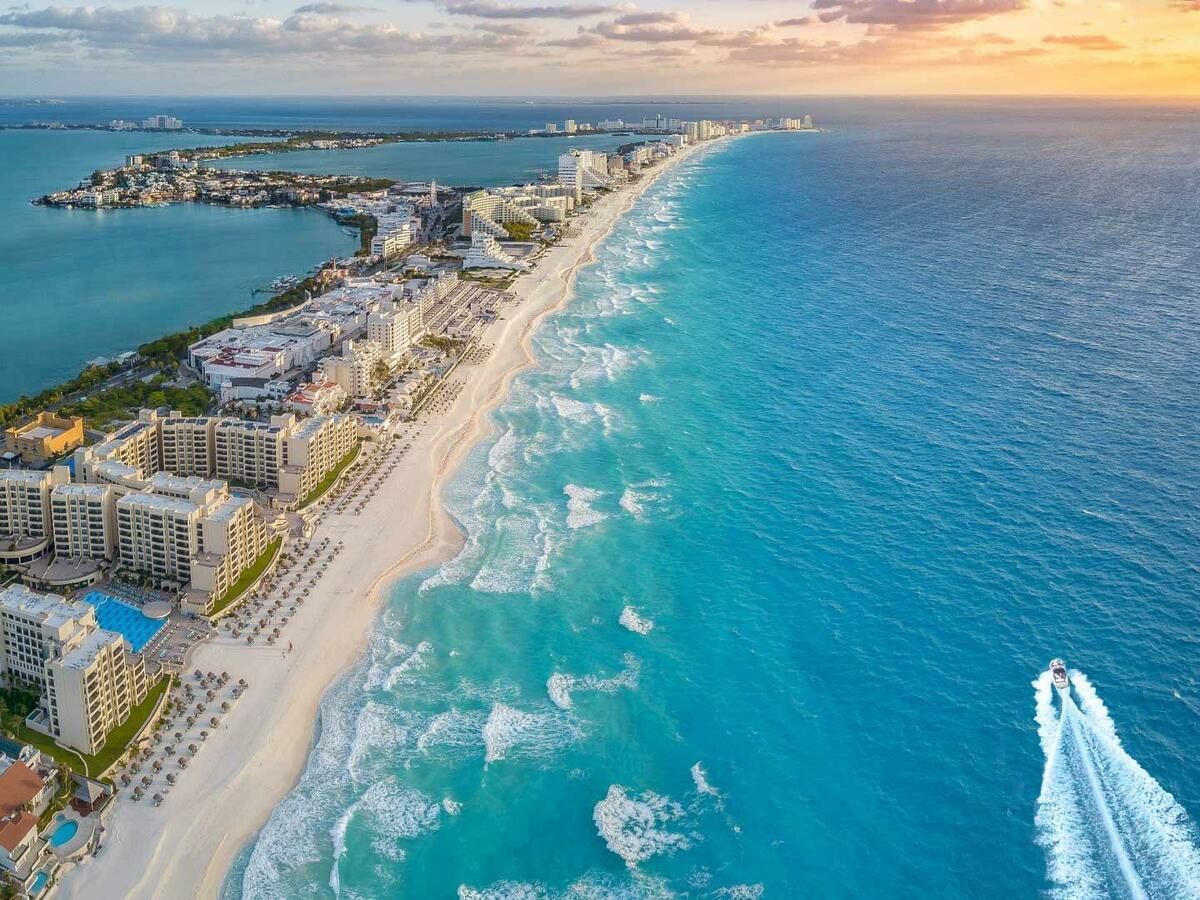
[598, 48]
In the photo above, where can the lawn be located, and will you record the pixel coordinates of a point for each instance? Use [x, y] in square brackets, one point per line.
[117, 743]
[327, 482]
[248, 577]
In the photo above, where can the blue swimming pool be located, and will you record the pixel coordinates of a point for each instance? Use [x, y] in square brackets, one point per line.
[116, 615]
[38, 883]
[63, 832]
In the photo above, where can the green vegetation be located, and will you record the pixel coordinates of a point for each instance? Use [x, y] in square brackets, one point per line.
[368, 227]
[123, 402]
[248, 577]
[85, 380]
[62, 796]
[16, 702]
[519, 231]
[327, 482]
[114, 747]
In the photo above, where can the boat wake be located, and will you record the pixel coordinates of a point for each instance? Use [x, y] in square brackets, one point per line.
[1108, 828]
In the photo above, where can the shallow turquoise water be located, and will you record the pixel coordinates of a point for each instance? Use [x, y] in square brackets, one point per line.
[842, 439]
[86, 283]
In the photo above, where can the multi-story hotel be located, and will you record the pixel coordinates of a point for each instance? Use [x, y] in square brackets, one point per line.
[251, 452]
[490, 211]
[187, 445]
[89, 680]
[84, 520]
[25, 531]
[189, 531]
[581, 171]
[395, 327]
[314, 450]
[354, 370]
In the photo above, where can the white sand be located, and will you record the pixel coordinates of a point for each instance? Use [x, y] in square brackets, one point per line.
[185, 848]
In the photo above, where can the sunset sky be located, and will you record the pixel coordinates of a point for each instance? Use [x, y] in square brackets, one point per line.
[579, 47]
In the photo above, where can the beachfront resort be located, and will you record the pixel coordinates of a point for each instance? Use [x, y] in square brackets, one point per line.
[124, 548]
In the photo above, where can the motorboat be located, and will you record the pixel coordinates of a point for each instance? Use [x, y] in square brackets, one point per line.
[1058, 671]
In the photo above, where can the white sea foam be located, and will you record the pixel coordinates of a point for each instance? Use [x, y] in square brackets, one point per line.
[636, 623]
[452, 729]
[509, 731]
[417, 661]
[636, 827]
[504, 890]
[740, 892]
[648, 398]
[451, 806]
[580, 513]
[1100, 812]
[560, 687]
[397, 813]
[700, 779]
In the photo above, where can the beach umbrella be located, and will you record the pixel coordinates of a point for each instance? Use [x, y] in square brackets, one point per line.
[135, 768]
[225, 706]
[193, 749]
[183, 762]
[158, 799]
[157, 765]
[204, 735]
[146, 779]
[214, 721]
[137, 793]
[125, 779]
[170, 778]
[169, 750]
[191, 720]
[211, 695]
[242, 682]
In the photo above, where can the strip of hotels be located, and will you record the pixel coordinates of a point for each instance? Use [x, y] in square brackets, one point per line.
[189, 513]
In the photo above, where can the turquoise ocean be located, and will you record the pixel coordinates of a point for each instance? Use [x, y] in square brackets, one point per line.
[842, 438]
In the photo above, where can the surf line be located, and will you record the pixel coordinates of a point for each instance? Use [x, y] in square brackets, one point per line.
[1128, 872]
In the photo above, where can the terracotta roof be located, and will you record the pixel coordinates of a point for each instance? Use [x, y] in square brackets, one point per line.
[14, 828]
[18, 785]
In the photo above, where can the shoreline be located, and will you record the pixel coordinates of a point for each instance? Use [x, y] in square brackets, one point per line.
[262, 747]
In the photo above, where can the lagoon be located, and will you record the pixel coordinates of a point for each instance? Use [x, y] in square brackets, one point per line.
[86, 283]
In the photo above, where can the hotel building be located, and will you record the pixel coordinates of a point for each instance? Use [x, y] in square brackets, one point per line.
[89, 681]
[187, 445]
[84, 518]
[44, 438]
[313, 450]
[395, 327]
[25, 530]
[354, 370]
[583, 171]
[251, 452]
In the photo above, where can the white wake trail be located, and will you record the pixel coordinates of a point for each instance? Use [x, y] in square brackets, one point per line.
[1107, 826]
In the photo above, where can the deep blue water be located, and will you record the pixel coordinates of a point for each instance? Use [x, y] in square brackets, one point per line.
[843, 437]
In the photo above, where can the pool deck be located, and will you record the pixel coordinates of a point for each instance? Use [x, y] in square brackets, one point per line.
[80, 841]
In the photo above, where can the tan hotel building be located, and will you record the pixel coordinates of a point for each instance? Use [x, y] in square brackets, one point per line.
[89, 681]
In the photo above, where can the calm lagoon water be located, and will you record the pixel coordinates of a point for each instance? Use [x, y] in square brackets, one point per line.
[81, 284]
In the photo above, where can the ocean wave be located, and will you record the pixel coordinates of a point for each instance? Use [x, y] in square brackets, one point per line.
[452, 728]
[635, 827]
[580, 513]
[560, 686]
[510, 731]
[636, 623]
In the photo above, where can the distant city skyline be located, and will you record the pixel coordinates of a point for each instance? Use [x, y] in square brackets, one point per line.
[578, 47]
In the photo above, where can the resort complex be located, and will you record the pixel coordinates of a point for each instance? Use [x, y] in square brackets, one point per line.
[173, 535]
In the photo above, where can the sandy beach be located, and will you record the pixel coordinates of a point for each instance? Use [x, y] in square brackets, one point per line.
[186, 847]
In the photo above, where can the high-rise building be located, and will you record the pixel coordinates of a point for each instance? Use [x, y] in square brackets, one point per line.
[188, 446]
[251, 453]
[355, 369]
[89, 680]
[25, 512]
[314, 449]
[85, 521]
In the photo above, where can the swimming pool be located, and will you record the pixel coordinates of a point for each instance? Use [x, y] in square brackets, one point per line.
[63, 832]
[115, 615]
[39, 882]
